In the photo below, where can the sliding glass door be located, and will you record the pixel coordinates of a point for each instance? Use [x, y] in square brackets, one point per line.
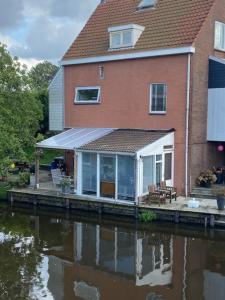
[126, 177]
[89, 173]
[109, 176]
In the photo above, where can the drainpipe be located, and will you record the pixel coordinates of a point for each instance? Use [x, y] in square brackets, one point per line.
[187, 122]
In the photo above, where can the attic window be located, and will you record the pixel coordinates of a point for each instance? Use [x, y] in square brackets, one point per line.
[125, 36]
[147, 4]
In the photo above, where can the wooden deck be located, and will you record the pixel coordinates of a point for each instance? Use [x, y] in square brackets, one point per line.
[206, 215]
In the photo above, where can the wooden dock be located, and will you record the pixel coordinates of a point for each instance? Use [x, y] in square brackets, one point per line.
[206, 215]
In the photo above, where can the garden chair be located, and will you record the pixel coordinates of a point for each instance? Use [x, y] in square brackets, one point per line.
[155, 196]
[56, 176]
[170, 191]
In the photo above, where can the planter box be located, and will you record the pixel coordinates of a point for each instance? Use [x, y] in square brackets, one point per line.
[206, 185]
[220, 202]
[65, 190]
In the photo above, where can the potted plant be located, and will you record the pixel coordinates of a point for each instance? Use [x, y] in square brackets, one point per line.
[206, 178]
[220, 197]
[65, 184]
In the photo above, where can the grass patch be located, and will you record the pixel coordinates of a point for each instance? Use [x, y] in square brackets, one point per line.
[47, 156]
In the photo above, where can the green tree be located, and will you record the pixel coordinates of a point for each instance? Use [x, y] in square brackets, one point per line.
[20, 111]
[40, 77]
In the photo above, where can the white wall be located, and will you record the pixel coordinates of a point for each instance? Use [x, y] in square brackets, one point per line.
[155, 149]
[56, 102]
[216, 115]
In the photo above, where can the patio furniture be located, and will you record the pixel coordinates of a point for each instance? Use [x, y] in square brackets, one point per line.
[170, 191]
[57, 179]
[56, 176]
[155, 196]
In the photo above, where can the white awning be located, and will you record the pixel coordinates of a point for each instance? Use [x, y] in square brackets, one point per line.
[74, 138]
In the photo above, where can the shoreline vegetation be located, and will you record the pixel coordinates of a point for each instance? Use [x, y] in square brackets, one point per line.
[13, 177]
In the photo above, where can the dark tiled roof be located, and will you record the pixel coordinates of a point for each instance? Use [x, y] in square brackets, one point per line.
[125, 140]
[172, 23]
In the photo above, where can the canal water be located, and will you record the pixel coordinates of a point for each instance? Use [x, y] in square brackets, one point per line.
[53, 256]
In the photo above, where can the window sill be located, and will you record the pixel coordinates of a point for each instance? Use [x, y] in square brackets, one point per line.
[87, 103]
[121, 48]
[219, 49]
[157, 113]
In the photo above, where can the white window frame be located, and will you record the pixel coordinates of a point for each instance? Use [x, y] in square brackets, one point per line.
[134, 29]
[122, 44]
[151, 5]
[150, 100]
[219, 44]
[87, 88]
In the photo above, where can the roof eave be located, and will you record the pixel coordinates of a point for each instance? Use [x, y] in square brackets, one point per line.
[131, 55]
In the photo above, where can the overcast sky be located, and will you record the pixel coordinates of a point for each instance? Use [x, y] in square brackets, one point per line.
[36, 30]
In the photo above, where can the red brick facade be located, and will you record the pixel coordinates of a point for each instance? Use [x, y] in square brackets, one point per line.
[125, 98]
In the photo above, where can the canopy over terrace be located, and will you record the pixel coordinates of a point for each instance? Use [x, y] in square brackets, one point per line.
[70, 139]
[74, 138]
[116, 164]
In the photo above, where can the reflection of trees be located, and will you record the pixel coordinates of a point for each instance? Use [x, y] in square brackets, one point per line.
[19, 259]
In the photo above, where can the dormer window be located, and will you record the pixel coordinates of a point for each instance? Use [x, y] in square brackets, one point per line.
[147, 4]
[125, 36]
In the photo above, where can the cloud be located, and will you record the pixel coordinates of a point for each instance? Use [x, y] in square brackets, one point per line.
[48, 38]
[44, 29]
[72, 9]
[11, 13]
[29, 62]
[7, 40]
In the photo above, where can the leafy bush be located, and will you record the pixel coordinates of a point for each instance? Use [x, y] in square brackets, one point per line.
[24, 179]
[206, 177]
[4, 187]
[147, 216]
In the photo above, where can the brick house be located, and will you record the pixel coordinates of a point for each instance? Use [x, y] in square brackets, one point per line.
[141, 92]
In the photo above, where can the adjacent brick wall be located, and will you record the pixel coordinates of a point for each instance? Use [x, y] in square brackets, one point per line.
[203, 155]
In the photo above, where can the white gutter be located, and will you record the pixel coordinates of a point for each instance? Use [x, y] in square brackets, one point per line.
[187, 122]
[132, 55]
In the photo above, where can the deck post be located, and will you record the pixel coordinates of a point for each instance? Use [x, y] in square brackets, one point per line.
[75, 171]
[37, 167]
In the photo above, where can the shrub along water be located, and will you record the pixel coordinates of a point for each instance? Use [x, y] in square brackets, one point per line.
[147, 216]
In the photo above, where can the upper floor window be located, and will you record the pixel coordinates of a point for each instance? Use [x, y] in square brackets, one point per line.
[158, 97]
[87, 94]
[124, 36]
[219, 36]
[147, 4]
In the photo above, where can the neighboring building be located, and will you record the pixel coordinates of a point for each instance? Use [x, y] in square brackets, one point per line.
[135, 93]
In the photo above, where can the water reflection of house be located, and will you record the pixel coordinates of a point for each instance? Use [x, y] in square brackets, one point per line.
[143, 258]
[117, 263]
[91, 261]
